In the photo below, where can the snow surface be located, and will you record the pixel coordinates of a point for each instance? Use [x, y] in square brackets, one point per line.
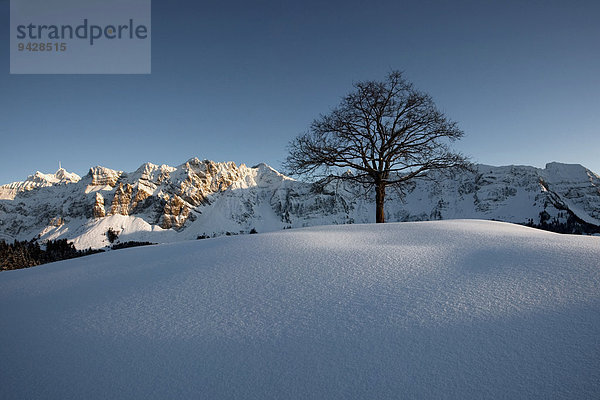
[447, 309]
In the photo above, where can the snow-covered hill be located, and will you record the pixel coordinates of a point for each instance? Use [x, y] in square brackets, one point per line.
[444, 309]
[167, 204]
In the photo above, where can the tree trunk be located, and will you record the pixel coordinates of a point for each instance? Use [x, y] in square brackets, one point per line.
[379, 200]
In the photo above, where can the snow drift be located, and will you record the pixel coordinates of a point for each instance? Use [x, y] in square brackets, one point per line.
[448, 309]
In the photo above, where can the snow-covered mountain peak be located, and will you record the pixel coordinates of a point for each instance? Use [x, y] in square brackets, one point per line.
[151, 173]
[102, 176]
[64, 176]
[61, 176]
[559, 172]
[268, 172]
[37, 180]
[147, 168]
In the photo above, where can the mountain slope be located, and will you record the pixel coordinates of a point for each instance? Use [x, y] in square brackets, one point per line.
[444, 309]
[166, 204]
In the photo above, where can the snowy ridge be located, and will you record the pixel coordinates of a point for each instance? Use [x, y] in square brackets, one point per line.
[200, 197]
[37, 180]
[461, 309]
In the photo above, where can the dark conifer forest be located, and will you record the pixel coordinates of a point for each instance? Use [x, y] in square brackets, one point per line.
[25, 254]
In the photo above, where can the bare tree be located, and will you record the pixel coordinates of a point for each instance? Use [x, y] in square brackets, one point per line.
[387, 133]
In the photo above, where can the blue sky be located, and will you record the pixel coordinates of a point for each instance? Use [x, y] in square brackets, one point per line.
[238, 80]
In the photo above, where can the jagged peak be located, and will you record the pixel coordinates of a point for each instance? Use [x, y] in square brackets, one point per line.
[147, 166]
[104, 170]
[196, 166]
[102, 176]
[60, 176]
[38, 179]
[63, 175]
[262, 167]
[267, 170]
[195, 161]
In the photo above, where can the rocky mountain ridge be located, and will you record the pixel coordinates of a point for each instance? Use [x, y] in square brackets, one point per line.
[206, 198]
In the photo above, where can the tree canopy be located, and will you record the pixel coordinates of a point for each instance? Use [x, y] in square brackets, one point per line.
[386, 132]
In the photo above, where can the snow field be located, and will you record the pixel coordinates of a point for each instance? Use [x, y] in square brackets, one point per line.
[460, 309]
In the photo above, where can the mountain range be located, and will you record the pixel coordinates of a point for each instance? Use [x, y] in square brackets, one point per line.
[202, 198]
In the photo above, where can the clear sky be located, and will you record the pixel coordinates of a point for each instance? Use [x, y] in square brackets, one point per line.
[237, 80]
